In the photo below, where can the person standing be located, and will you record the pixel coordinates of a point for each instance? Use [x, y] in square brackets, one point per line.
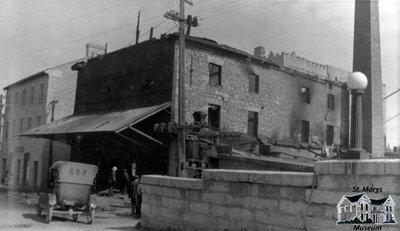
[136, 199]
[125, 182]
[112, 181]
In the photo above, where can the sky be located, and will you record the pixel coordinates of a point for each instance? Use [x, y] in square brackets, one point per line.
[36, 35]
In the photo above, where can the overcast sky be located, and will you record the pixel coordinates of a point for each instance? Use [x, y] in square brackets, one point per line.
[36, 35]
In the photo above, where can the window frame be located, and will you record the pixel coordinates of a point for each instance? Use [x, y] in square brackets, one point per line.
[256, 88]
[218, 115]
[41, 93]
[305, 131]
[331, 101]
[214, 74]
[252, 121]
[330, 134]
[32, 95]
[23, 97]
[306, 95]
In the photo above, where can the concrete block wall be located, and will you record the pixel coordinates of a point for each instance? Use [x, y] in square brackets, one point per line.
[265, 200]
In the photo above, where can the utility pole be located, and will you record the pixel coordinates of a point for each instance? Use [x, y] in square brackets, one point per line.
[52, 106]
[181, 83]
[137, 28]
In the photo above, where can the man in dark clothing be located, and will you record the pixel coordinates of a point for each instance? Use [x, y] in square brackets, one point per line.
[136, 199]
[125, 182]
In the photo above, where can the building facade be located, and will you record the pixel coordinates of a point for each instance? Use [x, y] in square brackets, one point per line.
[237, 91]
[29, 102]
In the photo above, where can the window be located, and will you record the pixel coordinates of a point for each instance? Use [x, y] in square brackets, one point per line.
[8, 99]
[214, 72]
[16, 98]
[38, 120]
[214, 113]
[305, 93]
[252, 123]
[23, 100]
[305, 131]
[254, 83]
[331, 101]
[32, 95]
[329, 134]
[41, 93]
[29, 125]
[21, 125]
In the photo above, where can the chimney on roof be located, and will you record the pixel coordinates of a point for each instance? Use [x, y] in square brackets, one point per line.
[259, 51]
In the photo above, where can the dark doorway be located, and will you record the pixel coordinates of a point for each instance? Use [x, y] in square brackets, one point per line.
[25, 168]
[35, 173]
[214, 115]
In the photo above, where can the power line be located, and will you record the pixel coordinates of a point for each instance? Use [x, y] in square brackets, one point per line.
[63, 22]
[70, 41]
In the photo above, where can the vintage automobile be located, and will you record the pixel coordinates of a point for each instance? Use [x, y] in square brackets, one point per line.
[72, 186]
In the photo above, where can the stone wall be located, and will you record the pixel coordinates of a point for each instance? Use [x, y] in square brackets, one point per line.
[265, 200]
[279, 101]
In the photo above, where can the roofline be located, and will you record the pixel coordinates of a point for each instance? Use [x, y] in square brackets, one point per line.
[41, 73]
[225, 48]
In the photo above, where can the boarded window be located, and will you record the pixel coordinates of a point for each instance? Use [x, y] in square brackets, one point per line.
[305, 93]
[331, 101]
[214, 72]
[252, 124]
[305, 131]
[214, 114]
[329, 134]
[254, 83]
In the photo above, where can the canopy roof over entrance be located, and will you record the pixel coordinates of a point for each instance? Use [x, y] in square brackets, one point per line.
[97, 122]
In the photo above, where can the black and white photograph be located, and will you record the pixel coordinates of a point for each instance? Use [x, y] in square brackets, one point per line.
[164, 115]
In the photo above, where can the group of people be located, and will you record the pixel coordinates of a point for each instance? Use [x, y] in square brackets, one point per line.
[130, 186]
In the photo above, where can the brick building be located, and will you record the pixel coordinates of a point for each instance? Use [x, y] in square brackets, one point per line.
[238, 91]
[25, 160]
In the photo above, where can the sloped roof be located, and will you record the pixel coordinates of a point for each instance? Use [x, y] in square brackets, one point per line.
[379, 201]
[355, 198]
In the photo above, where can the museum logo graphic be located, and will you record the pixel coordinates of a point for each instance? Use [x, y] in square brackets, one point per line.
[360, 209]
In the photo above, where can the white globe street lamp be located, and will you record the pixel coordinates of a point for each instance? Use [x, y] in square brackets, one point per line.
[356, 83]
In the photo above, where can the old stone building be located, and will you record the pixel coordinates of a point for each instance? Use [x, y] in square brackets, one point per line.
[255, 95]
[236, 90]
[29, 102]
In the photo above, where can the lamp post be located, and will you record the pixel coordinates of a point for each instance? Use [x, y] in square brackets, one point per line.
[356, 84]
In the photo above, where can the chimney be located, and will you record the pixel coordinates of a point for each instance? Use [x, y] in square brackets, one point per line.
[259, 51]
